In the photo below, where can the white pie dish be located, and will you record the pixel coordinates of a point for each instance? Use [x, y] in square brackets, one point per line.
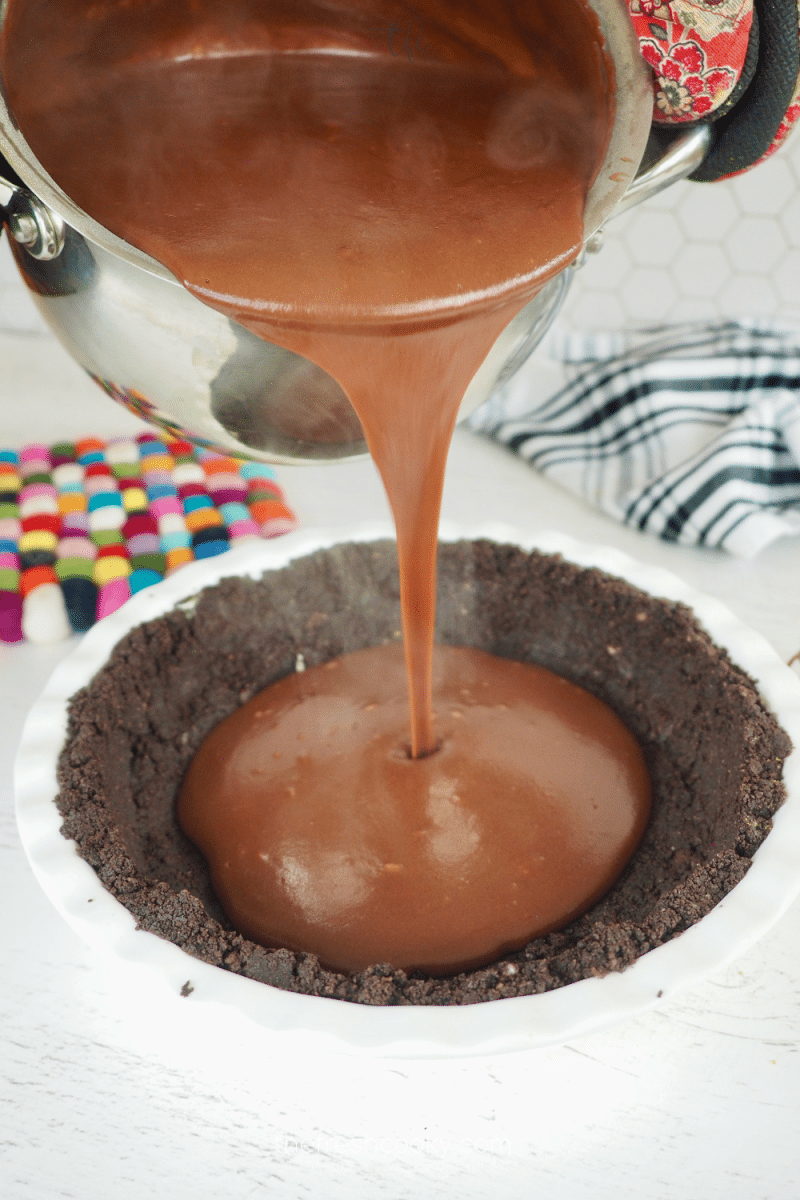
[499, 1026]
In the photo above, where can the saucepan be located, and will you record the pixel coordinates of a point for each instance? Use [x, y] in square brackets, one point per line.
[195, 373]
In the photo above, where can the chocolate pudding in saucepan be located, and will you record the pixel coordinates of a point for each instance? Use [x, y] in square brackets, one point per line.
[379, 188]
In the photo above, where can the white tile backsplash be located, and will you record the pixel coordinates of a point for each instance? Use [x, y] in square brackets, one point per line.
[728, 249]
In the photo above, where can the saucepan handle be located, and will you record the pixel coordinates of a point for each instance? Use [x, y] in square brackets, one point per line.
[10, 184]
[29, 221]
[7, 190]
[667, 159]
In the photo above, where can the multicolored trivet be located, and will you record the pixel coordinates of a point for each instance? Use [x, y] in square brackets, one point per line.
[84, 526]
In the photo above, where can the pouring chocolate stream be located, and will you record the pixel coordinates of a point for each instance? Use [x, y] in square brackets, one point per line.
[381, 204]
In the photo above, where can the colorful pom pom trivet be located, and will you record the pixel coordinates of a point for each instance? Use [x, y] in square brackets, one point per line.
[86, 525]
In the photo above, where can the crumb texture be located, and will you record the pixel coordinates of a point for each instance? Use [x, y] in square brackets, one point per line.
[714, 752]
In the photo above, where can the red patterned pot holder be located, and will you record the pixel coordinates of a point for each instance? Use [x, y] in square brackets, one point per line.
[735, 63]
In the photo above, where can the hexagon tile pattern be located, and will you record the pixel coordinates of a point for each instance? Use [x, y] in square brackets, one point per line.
[699, 251]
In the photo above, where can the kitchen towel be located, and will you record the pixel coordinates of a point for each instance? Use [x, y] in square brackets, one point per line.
[687, 432]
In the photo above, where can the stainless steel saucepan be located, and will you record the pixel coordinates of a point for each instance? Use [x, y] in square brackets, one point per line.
[155, 348]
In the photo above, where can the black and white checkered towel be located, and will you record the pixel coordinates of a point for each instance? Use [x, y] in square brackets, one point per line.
[689, 432]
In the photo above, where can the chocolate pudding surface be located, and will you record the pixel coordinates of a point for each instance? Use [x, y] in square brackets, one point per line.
[714, 752]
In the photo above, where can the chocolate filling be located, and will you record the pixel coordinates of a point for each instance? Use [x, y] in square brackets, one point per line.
[714, 752]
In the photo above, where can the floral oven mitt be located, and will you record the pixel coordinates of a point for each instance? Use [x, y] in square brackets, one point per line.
[735, 63]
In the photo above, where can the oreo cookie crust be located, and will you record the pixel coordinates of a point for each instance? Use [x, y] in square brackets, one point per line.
[714, 752]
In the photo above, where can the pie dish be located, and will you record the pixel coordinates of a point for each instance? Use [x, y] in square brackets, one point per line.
[419, 1019]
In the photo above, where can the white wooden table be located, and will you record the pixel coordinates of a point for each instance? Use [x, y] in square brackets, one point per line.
[104, 1093]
